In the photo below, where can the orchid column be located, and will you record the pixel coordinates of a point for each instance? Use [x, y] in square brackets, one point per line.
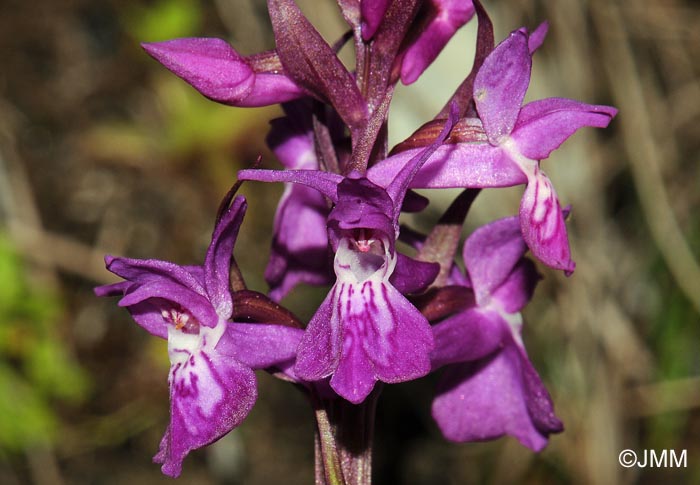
[388, 317]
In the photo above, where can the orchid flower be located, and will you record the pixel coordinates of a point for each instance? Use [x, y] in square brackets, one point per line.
[212, 384]
[489, 387]
[365, 330]
[504, 146]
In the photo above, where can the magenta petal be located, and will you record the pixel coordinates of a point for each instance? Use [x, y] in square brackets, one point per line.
[291, 139]
[467, 336]
[270, 88]
[300, 244]
[363, 204]
[211, 66]
[542, 223]
[539, 402]
[490, 254]
[149, 317]
[260, 345]
[463, 165]
[372, 15]
[354, 378]
[413, 276]
[217, 71]
[516, 291]
[545, 124]
[449, 17]
[399, 338]
[320, 347]
[283, 273]
[300, 241]
[146, 270]
[113, 289]
[217, 264]
[324, 182]
[384, 338]
[497, 395]
[536, 38]
[196, 271]
[500, 86]
[209, 396]
[398, 187]
[197, 305]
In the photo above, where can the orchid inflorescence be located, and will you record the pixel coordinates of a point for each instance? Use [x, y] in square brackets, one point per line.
[388, 317]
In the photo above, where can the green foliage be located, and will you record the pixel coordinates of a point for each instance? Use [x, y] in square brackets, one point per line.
[36, 372]
[673, 340]
[164, 20]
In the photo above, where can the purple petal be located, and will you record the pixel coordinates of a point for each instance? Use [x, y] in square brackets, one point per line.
[324, 182]
[217, 264]
[146, 270]
[354, 378]
[516, 291]
[211, 66]
[464, 94]
[536, 38]
[491, 253]
[113, 289]
[362, 205]
[467, 336]
[449, 16]
[217, 71]
[497, 395]
[197, 271]
[384, 338]
[209, 396]
[545, 124]
[399, 185]
[260, 345]
[539, 402]
[293, 144]
[462, 165]
[195, 304]
[500, 86]
[270, 88]
[320, 347]
[150, 317]
[372, 15]
[398, 339]
[413, 276]
[300, 243]
[542, 223]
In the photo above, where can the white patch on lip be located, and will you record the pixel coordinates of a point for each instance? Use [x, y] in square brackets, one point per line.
[190, 369]
[527, 165]
[181, 344]
[358, 260]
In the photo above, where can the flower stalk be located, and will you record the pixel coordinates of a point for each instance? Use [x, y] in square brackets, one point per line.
[344, 436]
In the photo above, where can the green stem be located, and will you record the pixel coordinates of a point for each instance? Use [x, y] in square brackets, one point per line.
[344, 441]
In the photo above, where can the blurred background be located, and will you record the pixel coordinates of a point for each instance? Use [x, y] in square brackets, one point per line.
[103, 151]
